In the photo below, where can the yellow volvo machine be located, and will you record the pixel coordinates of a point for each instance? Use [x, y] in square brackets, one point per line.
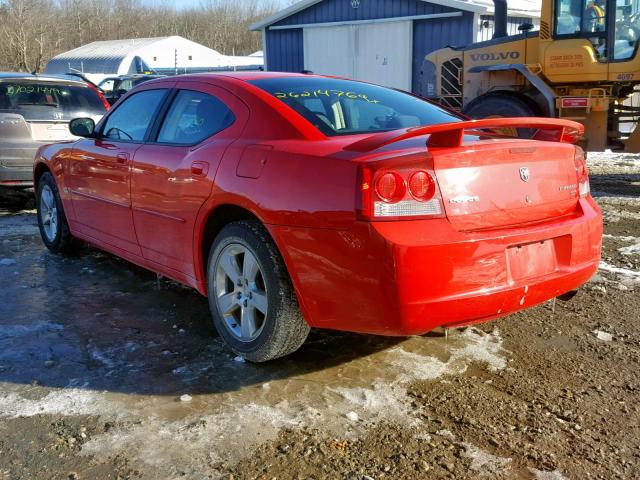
[582, 65]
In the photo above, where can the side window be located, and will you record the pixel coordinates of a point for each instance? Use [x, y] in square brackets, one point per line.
[575, 17]
[194, 116]
[125, 85]
[107, 85]
[583, 19]
[132, 118]
[627, 34]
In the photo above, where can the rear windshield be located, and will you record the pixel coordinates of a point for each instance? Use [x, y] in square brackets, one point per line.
[46, 101]
[345, 107]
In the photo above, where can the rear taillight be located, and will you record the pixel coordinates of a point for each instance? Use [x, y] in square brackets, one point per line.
[104, 101]
[394, 192]
[581, 172]
[390, 187]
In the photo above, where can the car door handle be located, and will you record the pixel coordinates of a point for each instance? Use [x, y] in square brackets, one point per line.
[199, 168]
[122, 157]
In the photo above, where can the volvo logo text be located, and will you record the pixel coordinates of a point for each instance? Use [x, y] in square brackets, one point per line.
[494, 57]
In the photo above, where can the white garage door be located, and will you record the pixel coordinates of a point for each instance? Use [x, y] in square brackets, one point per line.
[374, 52]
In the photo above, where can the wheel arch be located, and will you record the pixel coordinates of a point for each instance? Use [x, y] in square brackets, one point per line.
[39, 169]
[538, 86]
[212, 222]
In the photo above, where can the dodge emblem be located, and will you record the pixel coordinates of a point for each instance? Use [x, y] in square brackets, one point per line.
[524, 174]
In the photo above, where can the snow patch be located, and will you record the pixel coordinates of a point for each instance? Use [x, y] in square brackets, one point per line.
[478, 347]
[631, 249]
[382, 401]
[485, 462]
[192, 444]
[613, 162]
[604, 336]
[63, 402]
[542, 475]
[626, 277]
[388, 399]
[622, 238]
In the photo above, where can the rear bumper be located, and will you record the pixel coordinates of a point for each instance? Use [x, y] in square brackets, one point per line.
[16, 164]
[409, 277]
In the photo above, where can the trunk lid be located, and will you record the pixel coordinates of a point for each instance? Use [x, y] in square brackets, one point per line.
[498, 183]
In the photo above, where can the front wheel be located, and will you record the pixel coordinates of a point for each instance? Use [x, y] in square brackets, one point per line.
[52, 221]
[251, 298]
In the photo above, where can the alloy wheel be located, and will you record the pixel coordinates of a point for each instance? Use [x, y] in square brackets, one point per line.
[241, 295]
[48, 213]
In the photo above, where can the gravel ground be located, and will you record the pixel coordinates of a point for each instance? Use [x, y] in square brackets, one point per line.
[108, 372]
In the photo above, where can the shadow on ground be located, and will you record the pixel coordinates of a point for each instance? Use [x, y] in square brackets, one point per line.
[623, 184]
[97, 322]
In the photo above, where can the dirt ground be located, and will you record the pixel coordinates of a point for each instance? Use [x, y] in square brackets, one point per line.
[108, 372]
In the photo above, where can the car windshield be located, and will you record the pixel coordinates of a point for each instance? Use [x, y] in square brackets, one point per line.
[45, 101]
[345, 107]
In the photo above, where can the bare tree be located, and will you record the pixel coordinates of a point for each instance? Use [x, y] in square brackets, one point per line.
[33, 31]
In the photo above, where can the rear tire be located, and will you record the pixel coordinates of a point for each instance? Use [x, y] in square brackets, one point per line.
[494, 105]
[52, 220]
[251, 298]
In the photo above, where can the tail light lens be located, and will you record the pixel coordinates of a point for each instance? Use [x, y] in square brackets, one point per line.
[397, 192]
[581, 172]
[422, 186]
[104, 101]
[390, 187]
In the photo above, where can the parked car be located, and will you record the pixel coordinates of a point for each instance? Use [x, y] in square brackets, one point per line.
[115, 87]
[35, 110]
[295, 201]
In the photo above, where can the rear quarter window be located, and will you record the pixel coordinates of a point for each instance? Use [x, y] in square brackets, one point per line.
[346, 107]
[46, 101]
[193, 117]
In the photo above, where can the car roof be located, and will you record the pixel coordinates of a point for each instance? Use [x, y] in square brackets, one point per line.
[135, 75]
[44, 78]
[246, 75]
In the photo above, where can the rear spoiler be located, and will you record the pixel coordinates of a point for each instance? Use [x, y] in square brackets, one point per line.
[452, 134]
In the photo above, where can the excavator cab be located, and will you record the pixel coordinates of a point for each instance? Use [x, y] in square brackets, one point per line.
[583, 64]
[612, 26]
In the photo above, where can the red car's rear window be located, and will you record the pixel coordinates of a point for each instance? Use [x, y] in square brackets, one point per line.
[346, 107]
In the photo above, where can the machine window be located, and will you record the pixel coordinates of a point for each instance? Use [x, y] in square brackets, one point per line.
[194, 116]
[627, 34]
[580, 17]
[584, 19]
[130, 121]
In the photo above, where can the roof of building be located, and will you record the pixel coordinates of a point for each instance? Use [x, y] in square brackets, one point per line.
[114, 57]
[100, 56]
[109, 48]
[527, 8]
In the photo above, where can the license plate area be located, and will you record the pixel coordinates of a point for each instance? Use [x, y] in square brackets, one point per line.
[532, 260]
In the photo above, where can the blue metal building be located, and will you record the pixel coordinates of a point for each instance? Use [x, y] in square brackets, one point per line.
[382, 41]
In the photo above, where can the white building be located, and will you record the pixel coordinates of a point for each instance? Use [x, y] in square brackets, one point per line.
[169, 55]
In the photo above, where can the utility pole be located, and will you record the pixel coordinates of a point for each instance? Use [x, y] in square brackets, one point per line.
[175, 60]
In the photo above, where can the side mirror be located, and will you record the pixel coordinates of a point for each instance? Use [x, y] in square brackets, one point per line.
[82, 127]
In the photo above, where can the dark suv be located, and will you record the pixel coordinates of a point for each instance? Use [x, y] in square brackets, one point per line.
[35, 110]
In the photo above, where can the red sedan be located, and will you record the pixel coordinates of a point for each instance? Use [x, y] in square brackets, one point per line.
[296, 201]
